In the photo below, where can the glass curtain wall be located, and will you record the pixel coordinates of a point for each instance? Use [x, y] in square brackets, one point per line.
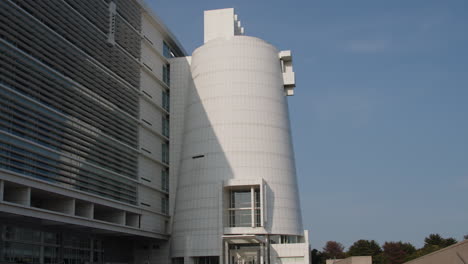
[241, 206]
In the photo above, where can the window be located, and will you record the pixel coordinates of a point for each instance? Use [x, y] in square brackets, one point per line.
[207, 260]
[165, 152]
[164, 205]
[167, 52]
[242, 204]
[179, 260]
[165, 126]
[240, 199]
[167, 74]
[165, 180]
[285, 239]
[26, 253]
[165, 100]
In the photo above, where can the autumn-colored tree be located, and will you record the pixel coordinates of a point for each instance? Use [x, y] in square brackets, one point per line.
[333, 250]
[397, 252]
[408, 248]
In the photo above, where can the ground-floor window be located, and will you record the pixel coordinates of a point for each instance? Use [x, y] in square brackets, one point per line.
[179, 260]
[31, 245]
[207, 260]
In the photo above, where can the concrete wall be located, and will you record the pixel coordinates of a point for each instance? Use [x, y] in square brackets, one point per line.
[151, 138]
[351, 260]
[455, 254]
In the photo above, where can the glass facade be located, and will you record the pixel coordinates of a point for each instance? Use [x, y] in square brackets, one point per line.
[286, 239]
[165, 180]
[207, 260]
[240, 208]
[29, 245]
[68, 100]
[165, 100]
[165, 152]
[167, 51]
[165, 126]
[167, 74]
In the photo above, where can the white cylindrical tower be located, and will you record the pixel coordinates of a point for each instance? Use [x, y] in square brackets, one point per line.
[237, 176]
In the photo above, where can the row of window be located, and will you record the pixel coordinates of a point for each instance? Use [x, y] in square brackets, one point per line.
[24, 245]
[168, 53]
[25, 158]
[286, 239]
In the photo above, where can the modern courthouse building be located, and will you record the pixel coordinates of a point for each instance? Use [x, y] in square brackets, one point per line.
[118, 147]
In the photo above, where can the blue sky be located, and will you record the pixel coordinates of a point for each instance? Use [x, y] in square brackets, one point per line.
[380, 115]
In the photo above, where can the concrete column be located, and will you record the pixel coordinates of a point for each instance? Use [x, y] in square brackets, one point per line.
[262, 253]
[262, 216]
[267, 245]
[226, 252]
[123, 221]
[1, 190]
[27, 196]
[1, 242]
[265, 203]
[91, 215]
[92, 250]
[41, 254]
[252, 201]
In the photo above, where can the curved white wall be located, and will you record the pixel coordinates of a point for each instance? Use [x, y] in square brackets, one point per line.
[237, 117]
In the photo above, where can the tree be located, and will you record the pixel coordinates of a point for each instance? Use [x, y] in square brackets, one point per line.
[439, 241]
[317, 257]
[433, 239]
[364, 248]
[333, 250]
[408, 248]
[450, 241]
[432, 243]
[397, 252]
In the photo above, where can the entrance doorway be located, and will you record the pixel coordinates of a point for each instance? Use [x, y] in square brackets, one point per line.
[244, 254]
